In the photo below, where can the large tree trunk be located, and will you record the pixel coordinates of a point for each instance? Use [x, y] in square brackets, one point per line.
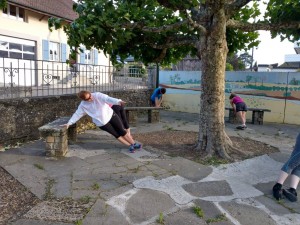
[213, 139]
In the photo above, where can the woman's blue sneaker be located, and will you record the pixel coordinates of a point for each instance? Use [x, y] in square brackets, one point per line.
[137, 146]
[131, 149]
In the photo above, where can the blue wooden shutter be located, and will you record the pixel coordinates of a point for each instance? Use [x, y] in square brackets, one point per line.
[63, 48]
[96, 57]
[45, 50]
[82, 56]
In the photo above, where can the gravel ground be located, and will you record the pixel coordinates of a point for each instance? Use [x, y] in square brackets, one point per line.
[15, 199]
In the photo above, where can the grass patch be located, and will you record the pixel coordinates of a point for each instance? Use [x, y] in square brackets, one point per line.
[39, 166]
[136, 169]
[213, 161]
[85, 199]
[78, 222]
[218, 218]
[161, 219]
[95, 186]
[198, 211]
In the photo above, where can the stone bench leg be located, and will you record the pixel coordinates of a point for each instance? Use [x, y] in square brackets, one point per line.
[232, 118]
[57, 144]
[131, 116]
[258, 117]
[153, 116]
[72, 133]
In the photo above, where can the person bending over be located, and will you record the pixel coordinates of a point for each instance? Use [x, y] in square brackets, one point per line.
[239, 108]
[96, 105]
[157, 96]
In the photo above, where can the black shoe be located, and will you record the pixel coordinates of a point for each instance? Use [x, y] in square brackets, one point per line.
[277, 191]
[290, 194]
[240, 127]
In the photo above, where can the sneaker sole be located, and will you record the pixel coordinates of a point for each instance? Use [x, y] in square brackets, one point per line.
[289, 196]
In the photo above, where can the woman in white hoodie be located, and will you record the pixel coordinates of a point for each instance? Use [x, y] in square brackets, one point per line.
[96, 105]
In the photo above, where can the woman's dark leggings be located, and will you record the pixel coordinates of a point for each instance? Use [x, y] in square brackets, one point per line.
[119, 110]
[114, 126]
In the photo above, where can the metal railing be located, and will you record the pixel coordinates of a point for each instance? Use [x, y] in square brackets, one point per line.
[29, 78]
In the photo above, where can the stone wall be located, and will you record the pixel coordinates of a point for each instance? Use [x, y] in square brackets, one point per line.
[21, 118]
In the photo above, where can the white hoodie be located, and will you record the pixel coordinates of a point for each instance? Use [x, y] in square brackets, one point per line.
[100, 112]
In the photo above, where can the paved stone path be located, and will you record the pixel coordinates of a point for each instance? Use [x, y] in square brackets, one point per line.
[99, 182]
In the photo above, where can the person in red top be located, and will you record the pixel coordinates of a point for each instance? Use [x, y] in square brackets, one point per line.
[240, 109]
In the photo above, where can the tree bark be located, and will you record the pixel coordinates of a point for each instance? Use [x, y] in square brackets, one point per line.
[213, 139]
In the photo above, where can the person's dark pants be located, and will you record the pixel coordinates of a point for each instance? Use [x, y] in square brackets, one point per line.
[114, 126]
[120, 111]
[241, 107]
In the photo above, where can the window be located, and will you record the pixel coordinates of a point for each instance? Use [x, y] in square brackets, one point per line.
[14, 12]
[89, 56]
[54, 51]
[16, 48]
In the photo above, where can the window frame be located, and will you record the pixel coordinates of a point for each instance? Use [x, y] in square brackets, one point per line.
[54, 46]
[6, 12]
[14, 51]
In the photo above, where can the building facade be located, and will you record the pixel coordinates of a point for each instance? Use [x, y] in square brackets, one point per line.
[26, 41]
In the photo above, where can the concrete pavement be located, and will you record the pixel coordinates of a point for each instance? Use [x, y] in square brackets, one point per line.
[99, 182]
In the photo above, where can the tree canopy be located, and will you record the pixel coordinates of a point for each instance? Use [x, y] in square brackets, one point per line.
[151, 31]
[164, 31]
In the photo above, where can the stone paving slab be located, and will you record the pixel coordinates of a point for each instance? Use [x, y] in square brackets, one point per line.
[245, 214]
[31, 177]
[211, 212]
[210, 188]
[147, 204]
[185, 168]
[183, 217]
[102, 213]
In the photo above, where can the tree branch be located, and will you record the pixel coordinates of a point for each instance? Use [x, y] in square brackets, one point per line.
[195, 25]
[238, 4]
[262, 25]
[141, 26]
[174, 43]
[175, 6]
[235, 6]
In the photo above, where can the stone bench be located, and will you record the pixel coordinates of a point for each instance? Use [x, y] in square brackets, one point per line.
[257, 115]
[57, 136]
[132, 114]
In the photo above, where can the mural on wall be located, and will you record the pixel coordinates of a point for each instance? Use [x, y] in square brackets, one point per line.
[186, 81]
[277, 91]
[269, 84]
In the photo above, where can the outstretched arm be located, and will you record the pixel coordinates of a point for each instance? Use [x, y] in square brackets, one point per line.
[75, 117]
[232, 105]
[157, 102]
